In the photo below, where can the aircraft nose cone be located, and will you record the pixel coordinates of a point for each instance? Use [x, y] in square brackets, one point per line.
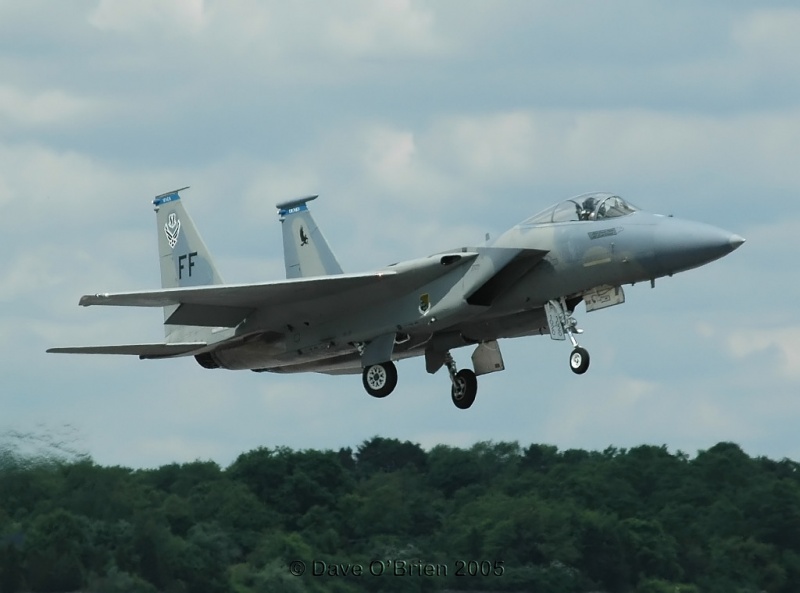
[682, 244]
[736, 241]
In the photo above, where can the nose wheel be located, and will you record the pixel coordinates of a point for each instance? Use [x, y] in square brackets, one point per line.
[579, 360]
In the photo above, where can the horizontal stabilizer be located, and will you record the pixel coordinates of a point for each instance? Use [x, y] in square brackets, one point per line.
[157, 350]
[208, 315]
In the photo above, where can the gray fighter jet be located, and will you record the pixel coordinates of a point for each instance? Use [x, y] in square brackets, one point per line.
[527, 282]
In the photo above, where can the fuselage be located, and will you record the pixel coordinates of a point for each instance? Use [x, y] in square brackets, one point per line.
[580, 251]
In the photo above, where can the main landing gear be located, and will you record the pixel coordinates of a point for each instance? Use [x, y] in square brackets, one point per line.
[563, 325]
[380, 379]
[465, 384]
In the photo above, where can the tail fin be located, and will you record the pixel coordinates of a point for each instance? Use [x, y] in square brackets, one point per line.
[305, 250]
[185, 260]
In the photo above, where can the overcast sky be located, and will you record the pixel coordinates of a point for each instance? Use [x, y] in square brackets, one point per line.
[422, 125]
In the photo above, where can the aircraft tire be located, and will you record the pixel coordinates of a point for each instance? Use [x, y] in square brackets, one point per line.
[380, 379]
[465, 388]
[579, 360]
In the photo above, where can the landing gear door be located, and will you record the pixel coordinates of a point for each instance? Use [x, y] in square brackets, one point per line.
[555, 320]
[602, 297]
[487, 358]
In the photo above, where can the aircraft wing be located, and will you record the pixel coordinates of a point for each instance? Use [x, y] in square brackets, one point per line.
[309, 299]
[157, 350]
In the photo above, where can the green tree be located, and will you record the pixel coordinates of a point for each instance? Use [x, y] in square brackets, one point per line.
[292, 482]
[53, 552]
[388, 455]
[203, 562]
[11, 569]
[650, 551]
[451, 469]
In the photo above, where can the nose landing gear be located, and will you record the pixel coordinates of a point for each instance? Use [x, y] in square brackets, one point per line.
[563, 325]
[579, 360]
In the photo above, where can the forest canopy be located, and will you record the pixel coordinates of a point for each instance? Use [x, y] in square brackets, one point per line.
[492, 517]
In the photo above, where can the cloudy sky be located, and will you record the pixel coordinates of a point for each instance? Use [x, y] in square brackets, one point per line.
[422, 125]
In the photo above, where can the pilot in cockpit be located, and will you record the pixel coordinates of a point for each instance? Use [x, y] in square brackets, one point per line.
[587, 208]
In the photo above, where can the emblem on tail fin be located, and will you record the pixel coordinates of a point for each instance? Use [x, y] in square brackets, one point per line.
[172, 229]
[303, 237]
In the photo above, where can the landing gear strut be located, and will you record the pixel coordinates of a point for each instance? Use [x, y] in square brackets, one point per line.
[380, 379]
[465, 384]
[563, 325]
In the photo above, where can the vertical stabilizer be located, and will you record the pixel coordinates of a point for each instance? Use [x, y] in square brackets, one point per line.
[184, 258]
[305, 250]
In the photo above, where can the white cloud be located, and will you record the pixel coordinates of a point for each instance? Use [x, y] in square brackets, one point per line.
[777, 234]
[32, 271]
[45, 108]
[271, 183]
[605, 145]
[497, 145]
[381, 28]
[399, 165]
[390, 154]
[260, 43]
[604, 409]
[128, 17]
[46, 185]
[623, 411]
[781, 343]
[769, 38]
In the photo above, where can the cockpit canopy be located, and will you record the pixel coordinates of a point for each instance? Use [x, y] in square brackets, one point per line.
[592, 206]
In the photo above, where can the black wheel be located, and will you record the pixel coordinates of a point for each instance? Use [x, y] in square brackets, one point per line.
[380, 379]
[465, 388]
[579, 360]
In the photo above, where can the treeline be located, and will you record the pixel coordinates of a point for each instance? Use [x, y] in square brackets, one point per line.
[494, 517]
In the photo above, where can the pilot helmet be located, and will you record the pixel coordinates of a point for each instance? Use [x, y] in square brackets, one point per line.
[588, 206]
